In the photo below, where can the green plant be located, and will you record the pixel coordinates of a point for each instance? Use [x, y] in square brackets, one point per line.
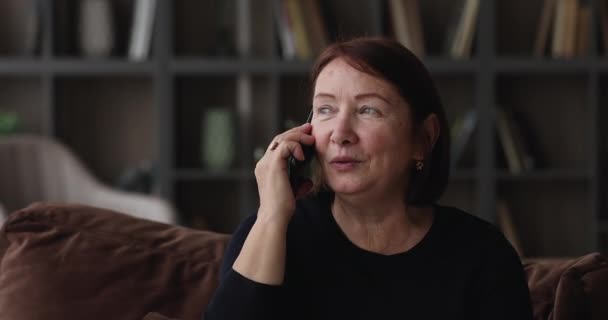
[8, 122]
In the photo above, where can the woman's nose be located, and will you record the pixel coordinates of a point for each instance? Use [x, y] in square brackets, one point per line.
[343, 132]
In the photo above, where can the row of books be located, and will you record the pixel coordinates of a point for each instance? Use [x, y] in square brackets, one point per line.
[301, 27]
[303, 31]
[564, 29]
[514, 139]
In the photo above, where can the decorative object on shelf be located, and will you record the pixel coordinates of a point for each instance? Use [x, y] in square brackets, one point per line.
[21, 27]
[96, 28]
[218, 136]
[9, 122]
[141, 31]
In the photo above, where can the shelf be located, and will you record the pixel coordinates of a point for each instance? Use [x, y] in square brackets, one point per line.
[544, 175]
[235, 66]
[75, 66]
[448, 65]
[113, 66]
[201, 174]
[22, 66]
[552, 66]
[269, 66]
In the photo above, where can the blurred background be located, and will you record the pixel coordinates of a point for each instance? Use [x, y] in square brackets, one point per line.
[163, 107]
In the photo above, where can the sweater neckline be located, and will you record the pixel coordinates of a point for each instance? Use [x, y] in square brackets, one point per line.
[351, 247]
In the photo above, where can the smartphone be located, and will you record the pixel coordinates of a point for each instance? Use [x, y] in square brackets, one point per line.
[297, 170]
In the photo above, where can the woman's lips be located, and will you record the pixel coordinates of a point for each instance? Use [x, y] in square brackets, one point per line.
[343, 163]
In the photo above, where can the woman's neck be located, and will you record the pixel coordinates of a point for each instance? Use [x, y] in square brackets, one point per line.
[386, 226]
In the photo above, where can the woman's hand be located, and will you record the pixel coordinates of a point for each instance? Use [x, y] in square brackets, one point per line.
[277, 200]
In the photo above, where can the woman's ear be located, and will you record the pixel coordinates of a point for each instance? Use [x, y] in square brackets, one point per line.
[427, 136]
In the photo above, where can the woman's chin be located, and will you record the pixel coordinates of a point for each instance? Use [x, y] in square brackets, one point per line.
[346, 187]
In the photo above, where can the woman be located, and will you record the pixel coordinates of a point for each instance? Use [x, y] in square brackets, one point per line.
[369, 242]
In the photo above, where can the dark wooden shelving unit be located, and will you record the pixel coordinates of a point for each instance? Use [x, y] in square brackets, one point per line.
[163, 97]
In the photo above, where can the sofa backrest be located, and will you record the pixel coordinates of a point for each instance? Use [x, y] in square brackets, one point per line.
[61, 261]
[78, 262]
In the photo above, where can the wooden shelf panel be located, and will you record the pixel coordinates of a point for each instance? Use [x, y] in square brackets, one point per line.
[551, 219]
[110, 122]
[555, 127]
[75, 66]
[545, 175]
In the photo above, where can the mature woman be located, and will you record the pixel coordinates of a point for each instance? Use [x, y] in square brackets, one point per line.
[369, 241]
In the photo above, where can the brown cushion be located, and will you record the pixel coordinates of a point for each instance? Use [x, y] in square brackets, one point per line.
[79, 262]
[565, 289]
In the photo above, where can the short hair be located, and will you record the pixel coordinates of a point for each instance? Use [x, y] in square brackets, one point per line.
[392, 62]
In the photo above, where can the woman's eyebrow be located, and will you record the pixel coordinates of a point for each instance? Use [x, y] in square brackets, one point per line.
[324, 95]
[371, 95]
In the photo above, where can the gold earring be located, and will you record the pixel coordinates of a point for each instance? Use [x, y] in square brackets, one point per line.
[419, 165]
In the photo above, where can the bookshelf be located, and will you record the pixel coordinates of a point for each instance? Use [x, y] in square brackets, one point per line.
[116, 113]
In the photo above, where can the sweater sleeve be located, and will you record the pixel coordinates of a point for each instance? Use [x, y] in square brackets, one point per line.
[503, 289]
[238, 297]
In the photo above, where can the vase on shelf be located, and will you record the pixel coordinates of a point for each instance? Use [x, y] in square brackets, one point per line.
[218, 136]
[96, 32]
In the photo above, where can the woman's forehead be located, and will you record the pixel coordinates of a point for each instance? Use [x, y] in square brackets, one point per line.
[339, 75]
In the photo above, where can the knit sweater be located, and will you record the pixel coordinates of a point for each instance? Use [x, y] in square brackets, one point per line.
[463, 268]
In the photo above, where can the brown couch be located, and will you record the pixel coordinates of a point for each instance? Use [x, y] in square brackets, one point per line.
[77, 262]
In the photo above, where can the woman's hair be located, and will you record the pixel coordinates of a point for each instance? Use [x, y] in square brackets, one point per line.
[392, 62]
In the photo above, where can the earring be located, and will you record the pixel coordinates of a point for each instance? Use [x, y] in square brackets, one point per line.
[419, 165]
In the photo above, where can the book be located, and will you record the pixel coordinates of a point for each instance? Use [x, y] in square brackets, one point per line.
[470, 25]
[285, 32]
[559, 29]
[564, 36]
[583, 30]
[407, 25]
[507, 226]
[298, 25]
[544, 27]
[400, 24]
[315, 26]
[516, 150]
[603, 16]
[463, 40]
[142, 29]
[452, 28]
[461, 134]
[415, 21]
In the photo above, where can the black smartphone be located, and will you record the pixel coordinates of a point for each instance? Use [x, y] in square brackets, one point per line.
[298, 170]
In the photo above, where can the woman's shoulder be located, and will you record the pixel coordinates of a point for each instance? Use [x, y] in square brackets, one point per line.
[466, 230]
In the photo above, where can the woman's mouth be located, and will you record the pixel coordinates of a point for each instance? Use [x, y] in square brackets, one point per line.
[344, 163]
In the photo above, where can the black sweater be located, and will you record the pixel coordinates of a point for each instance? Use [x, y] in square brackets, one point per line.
[462, 269]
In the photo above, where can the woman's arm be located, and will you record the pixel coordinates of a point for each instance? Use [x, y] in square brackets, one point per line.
[253, 269]
[238, 296]
[262, 258]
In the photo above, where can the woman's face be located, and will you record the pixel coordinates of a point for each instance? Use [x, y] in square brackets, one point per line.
[362, 130]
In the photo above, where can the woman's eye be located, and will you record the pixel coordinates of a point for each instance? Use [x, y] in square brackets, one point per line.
[323, 109]
[369, 110]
